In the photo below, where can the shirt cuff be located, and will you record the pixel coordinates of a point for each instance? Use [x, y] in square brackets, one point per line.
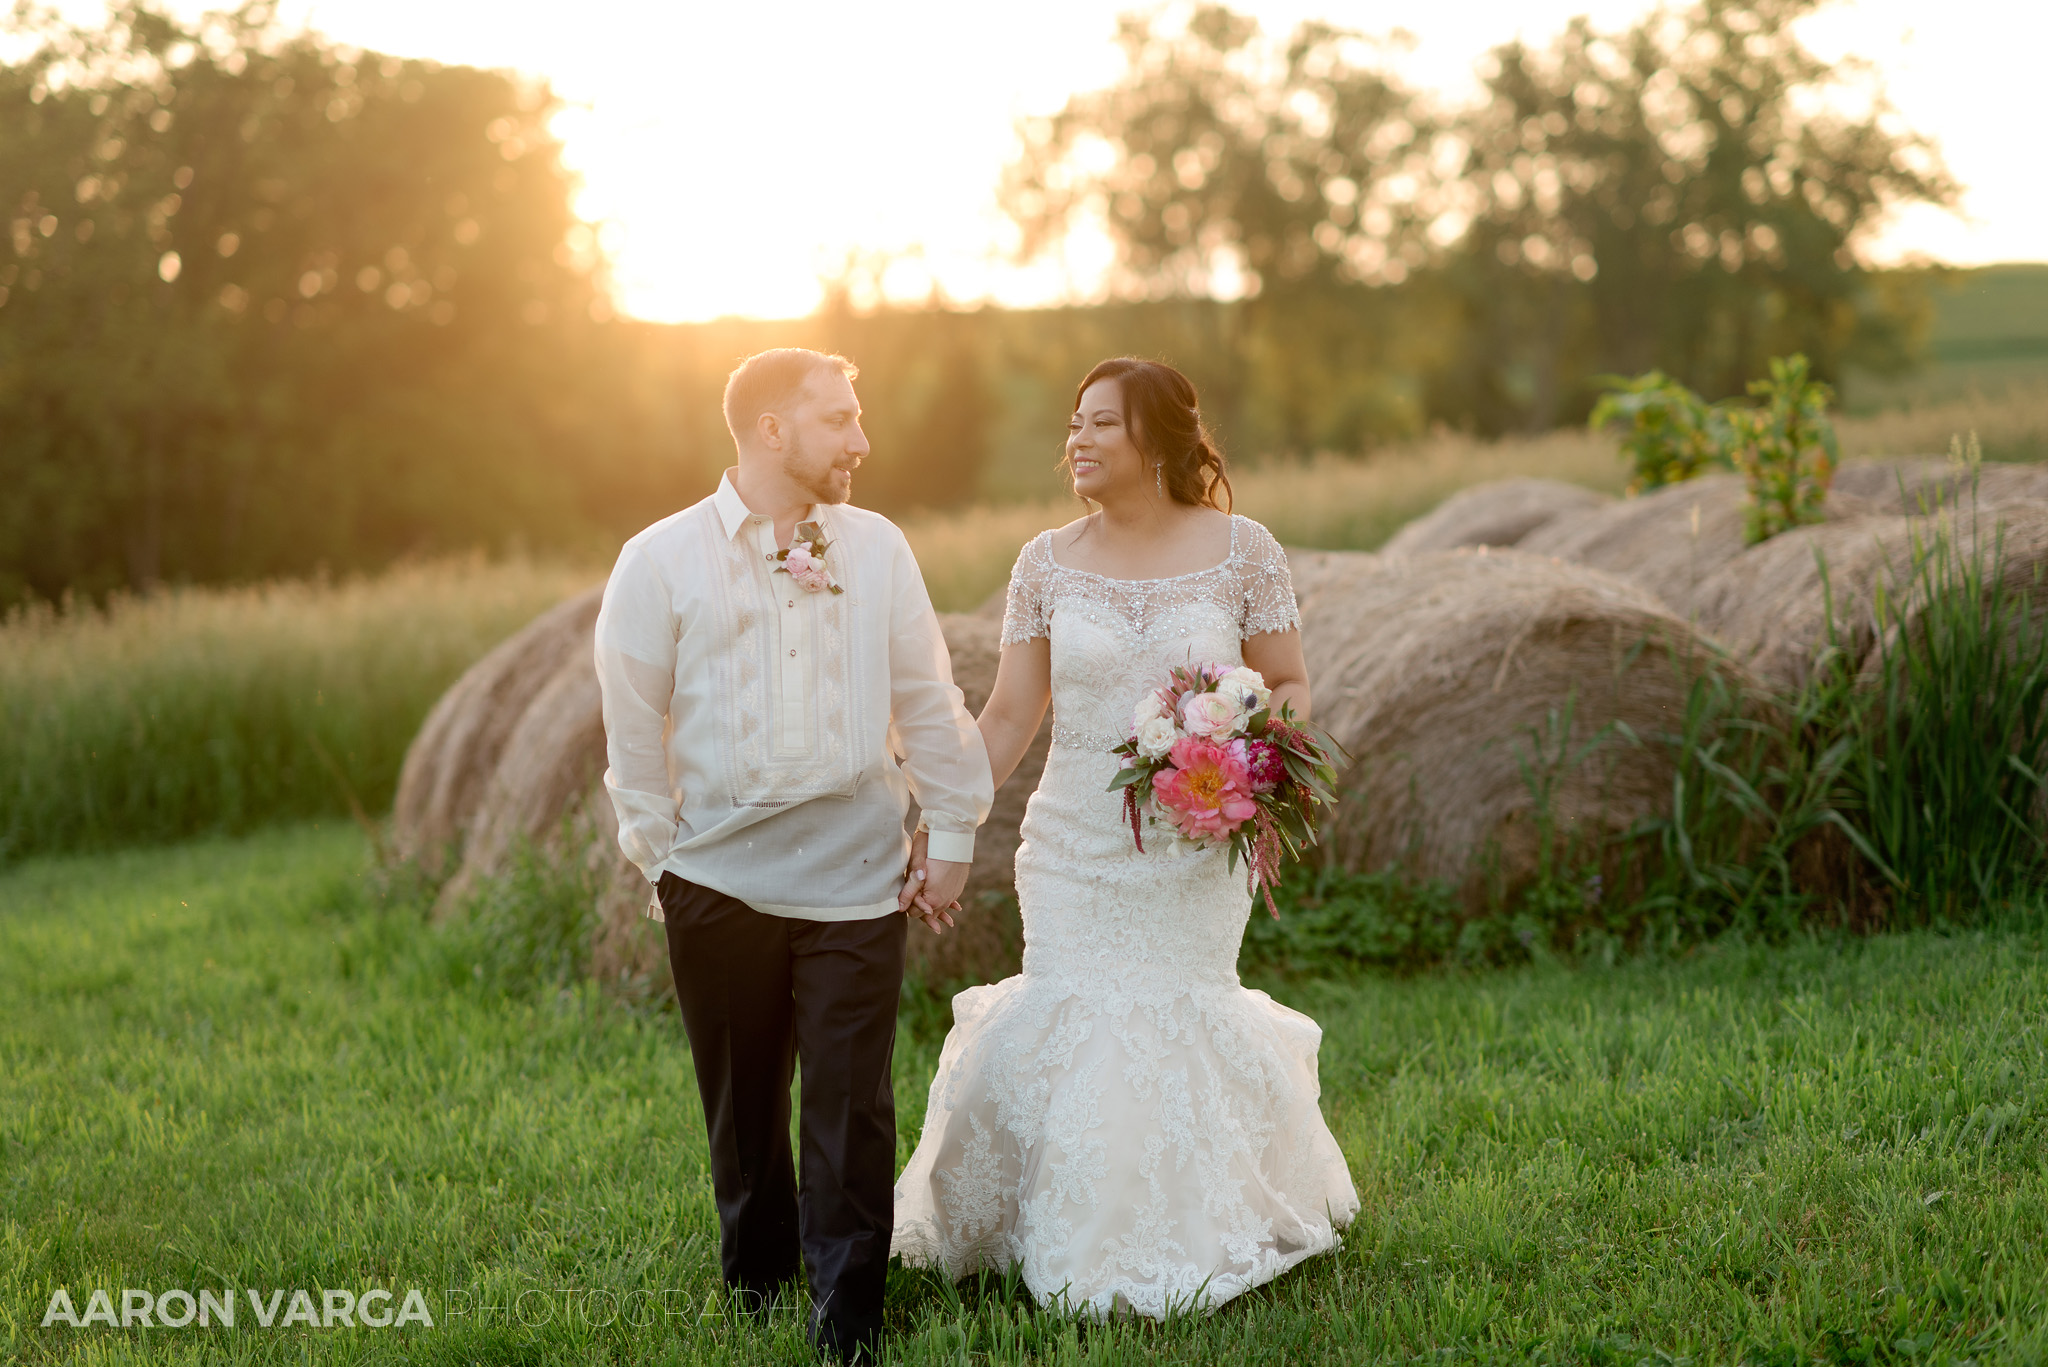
[952, 847]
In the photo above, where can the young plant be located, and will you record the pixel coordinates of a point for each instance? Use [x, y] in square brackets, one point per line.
[1785, 449]
[1673, 434]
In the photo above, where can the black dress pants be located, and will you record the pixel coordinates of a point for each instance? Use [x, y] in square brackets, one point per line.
[757, 992]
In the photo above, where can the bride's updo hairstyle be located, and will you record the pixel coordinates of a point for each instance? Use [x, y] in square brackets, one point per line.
[1165, 422]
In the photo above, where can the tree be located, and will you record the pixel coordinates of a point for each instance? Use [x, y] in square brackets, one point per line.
[1223, 164]
[1687, 196]
[271, 304]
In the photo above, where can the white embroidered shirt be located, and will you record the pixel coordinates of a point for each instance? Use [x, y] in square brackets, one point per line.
[753, 729]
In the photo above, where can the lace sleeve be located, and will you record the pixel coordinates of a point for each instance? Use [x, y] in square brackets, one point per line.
[1028, 612]
[1265, 588]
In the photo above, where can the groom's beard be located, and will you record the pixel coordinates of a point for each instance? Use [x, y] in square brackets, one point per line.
[813, 476]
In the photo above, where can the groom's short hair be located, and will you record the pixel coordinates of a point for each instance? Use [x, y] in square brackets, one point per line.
[769, 381]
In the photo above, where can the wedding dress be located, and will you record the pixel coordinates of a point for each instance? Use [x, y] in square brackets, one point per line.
[1124, 1121]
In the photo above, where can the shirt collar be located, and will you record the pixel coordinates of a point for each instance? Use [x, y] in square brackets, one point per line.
[733, 512]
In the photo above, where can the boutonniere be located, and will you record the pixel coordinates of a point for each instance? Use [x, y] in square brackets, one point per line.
[804, 561]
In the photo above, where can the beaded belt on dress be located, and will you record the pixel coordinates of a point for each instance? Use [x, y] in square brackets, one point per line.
[1075, 738]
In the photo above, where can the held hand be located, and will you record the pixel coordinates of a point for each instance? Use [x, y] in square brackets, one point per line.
[944, 881]
[907, 901]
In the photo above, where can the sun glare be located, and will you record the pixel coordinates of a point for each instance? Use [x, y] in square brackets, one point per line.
[733, 158]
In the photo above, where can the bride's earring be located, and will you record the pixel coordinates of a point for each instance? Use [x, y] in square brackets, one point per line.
[1158, 479]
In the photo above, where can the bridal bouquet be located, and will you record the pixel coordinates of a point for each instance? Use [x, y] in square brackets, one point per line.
[1209, 763]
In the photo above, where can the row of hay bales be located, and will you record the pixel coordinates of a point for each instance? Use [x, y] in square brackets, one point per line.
[1442, 663]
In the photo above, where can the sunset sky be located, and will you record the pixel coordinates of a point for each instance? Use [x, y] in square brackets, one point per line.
[736, 153]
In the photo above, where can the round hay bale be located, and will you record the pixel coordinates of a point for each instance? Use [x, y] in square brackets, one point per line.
[1443, 674]
[1308, 568]
[987, 941]
[1890, 483]
[1499, 513]
[1670, 540]
[544, 784]
[458, 747]
[1667, 540]
[1927, 484]
[2009, 540]
[1770, 608]
[552, 756]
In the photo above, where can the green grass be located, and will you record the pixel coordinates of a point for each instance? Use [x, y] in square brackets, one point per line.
[246, 1064]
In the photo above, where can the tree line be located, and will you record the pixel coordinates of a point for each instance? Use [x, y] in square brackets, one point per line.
[268, 304]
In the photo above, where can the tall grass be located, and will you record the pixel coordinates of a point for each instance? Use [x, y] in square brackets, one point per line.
[196, 711]
[1950, 719]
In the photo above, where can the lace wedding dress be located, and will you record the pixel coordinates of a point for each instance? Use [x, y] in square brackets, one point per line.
[1123, 1120]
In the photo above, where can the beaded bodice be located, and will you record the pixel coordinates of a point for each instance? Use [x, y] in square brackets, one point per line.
[1113, 639]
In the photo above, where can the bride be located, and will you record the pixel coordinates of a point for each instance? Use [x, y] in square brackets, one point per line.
[1124, 1120]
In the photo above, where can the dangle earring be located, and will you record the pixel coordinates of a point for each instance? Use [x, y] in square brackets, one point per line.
[1158, 479]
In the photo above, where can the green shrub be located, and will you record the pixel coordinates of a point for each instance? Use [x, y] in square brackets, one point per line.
[1786, 449]
[1672, 435]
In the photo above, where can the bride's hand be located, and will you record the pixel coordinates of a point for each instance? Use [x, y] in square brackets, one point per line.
[914, 878]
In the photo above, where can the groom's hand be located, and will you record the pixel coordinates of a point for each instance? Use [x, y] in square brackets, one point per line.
[909, 901]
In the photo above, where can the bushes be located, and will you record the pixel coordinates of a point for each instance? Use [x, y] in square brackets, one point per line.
[1785, 450]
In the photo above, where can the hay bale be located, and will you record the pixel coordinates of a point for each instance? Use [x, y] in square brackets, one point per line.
[1670, 540]
[1499, 513]
[1769, 608]
[1309, 568]
[451, 761]
[987, 941]
[1890, 483]
[2014, 534]
[1912, 485]
[542, 765]
[1439, 672]
[552, 756]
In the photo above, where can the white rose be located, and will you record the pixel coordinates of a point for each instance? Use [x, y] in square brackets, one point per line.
[1148, 707]
[1242, 680]
[1156, 736]
[1215, 715]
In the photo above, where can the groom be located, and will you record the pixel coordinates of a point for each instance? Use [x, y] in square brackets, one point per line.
[765, 658]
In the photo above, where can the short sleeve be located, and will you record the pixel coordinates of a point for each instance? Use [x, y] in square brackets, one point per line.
[1028, 612]
[1265, 587]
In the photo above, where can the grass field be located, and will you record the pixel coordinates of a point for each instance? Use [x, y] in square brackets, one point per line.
[239, 1064]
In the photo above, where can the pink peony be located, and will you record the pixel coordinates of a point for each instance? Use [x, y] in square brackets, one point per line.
[1266, 765]
[1207, 793]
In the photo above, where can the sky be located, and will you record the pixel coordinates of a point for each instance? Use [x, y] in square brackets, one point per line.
[736, 154]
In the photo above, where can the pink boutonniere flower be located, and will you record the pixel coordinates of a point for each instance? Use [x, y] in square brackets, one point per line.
[804, 561]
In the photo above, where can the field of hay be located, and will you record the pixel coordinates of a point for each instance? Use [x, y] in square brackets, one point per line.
[208, 711]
